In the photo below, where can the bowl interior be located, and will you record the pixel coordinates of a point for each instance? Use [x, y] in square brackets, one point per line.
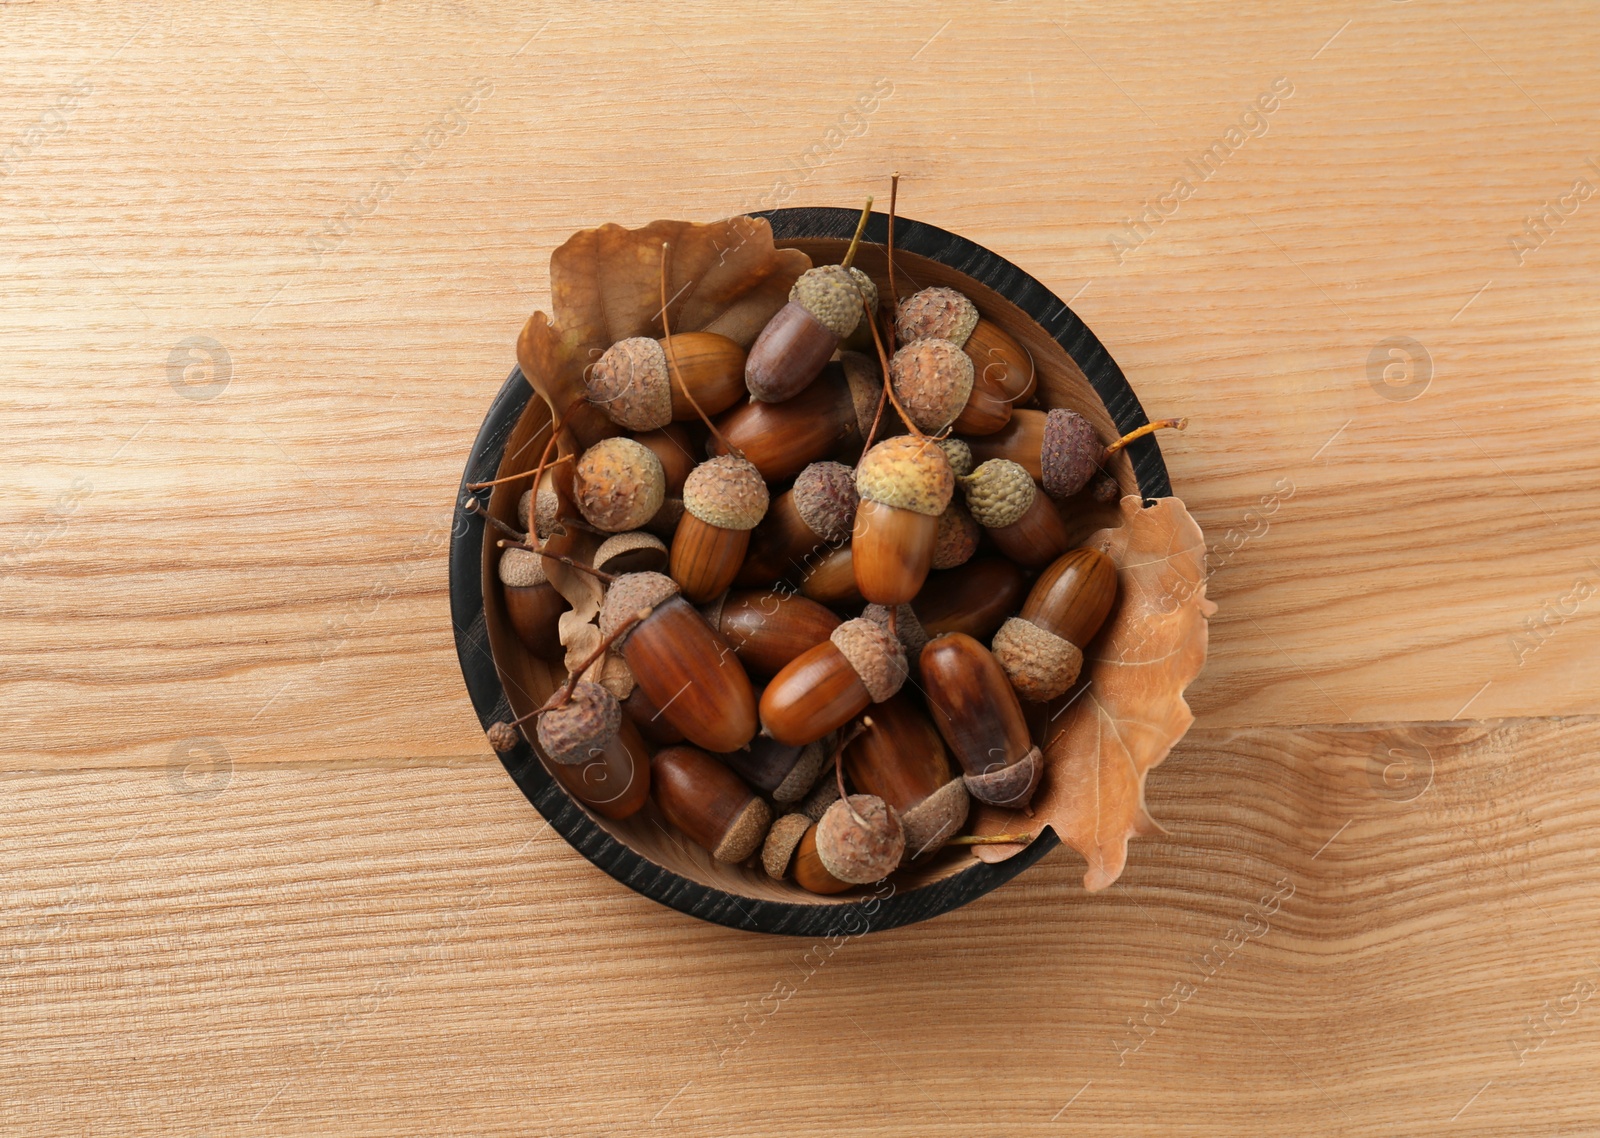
[528, 681]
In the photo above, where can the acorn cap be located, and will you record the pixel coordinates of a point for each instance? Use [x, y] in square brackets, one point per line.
[830, 294]
[712, 610]
[1009, 786]
[630, 384]
[868, 287]
[640, 550]
[933, 379]
[744, 836]
[1040, 664]
[541, 520]
[579, 729]
[866, 392]
[727, 492]
[861, 849]
[959, 454]
[822, 796]
[619, 484]
[627, 595]
[521, 568]
[876, 656]
[931, 822]
[908, 473]
[913, 637]
[956, 539]
[1069, 454]
[803, 775]
[825, 498]
[999, 492]
[942, 313]
[782, 840]
[503, 737]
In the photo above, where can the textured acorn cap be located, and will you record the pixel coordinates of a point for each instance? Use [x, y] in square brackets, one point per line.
[1009, 786]
[630, 384]
[637, 546]
[908, 473]
[502, 737]
[521, 568]
[861, 849]
[999, 492]
[825, 498]
[744, 836]
[803, 775]
[541, 519]
[580, 728]
[868, 287]
[822, 796]
[866, 391]
[830, 294]
[782, 840]
[959, 455]
[956, 539]
[1069, 454]
[727, 492]
[941, 313]
[876, 656]
[931, 822]
[619, 484]
[933, 380]
[913, 637]
[628, 594]
[1040, 664]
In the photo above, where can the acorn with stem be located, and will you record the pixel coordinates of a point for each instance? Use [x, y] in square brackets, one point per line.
[1059, 449]
[1041, 649]
[903, 761]
[1023, 522]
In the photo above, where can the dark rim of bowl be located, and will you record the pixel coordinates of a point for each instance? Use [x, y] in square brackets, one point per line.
[871, 912]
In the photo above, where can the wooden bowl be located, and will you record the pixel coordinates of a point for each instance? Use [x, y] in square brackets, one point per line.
[505, 680]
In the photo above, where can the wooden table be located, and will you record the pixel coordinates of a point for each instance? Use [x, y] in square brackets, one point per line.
[262, 274]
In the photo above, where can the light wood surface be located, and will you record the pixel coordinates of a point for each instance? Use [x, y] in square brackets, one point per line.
[264, 876]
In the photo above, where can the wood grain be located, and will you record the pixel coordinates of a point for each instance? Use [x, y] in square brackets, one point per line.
[263, 874]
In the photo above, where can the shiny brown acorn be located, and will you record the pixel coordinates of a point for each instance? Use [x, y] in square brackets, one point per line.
[1023, 522]
[768, 628]
[782, 772]
[975, 708]
[532, 603]
[1041, 649]
[1003, 374]
[902, 760]
[824, 688]
[1059, 449]
[709, 803]
[905, 483]
[724, 498]
[831, 579]
[630, 382]
[814, 515]
[975, 599]
[830, 417]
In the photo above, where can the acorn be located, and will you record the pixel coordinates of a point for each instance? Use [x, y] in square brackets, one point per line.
[825, 687]
[959, 454]
[676, 447]
[709, 803]
[809, 872]
[723, 500]
[975, 599]
[903, 761]
[503, 737]
[540, 520]
[815, 514]
[860, 839]
[907, 628]
[631, 552]
[830, 417]
[684, 667]
[782, 772]
[614, 783]
[956, 539]
[577, 730]
[631, 384]
[825, 305]
[532, 603]
[1003, 371]
[933, 380]
[1041, 649]
[1059, 448]
[830, 579]
[905, 484]
[975, 708]
[768, 628]
[618, 484]
[647, 717]
[1024, 523]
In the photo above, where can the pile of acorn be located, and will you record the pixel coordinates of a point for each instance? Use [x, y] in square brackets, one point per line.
[811, 622]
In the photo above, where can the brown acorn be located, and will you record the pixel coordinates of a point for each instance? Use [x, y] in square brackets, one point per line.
[860, 839]
[686, 669]
[782, 772]
[825, 305]
[1003, 371]
[902, 760]
[709, 803]
[932, 379]
[831, 579]
[723, 500]
[631, 384]
[647, 717]
[532, 603]
[816, 514]
[1023, 522]
[577, 730]
[809, 872]
[1059, 448]
[975, 599]
[768, 628]
[830, 417]
[905, 483]
[676, 447]
[824, 688]
[618, 484]
[975, 708]
[631, 552]
[616, 782]
[1041, 649]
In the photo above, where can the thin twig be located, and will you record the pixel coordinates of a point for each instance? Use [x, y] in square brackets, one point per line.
[601, 574]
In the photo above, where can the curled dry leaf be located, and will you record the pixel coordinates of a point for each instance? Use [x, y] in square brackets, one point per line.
[1128, 711]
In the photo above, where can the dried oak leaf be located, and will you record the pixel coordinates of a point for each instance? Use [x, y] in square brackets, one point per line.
[1128, 711]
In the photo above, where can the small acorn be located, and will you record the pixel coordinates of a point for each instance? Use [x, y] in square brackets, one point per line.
[579, 729]
[824, 688]
[809, 872]
[817, 513]
[1003, 371]
[1024, 523]
[975, 599]
[933, 380]
[860, 839]
[830, 417]
[905, 483]
[503, 737]
[724, 498]
[1041, 650]
[825, 305]
[782, 772]
[533, 605]
[902, 760]
[709, 803]
[975, 708]
[618, 484]
[632, 385]
[768, 628]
